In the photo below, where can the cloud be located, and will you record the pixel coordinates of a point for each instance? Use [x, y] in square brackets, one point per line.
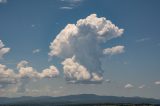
[7, 76]
[3, 1]
[50, 72]
[114, 50]
[142, 86]
[79, 45]
[75, 71]
[36, 51]
[108, 80]
[3, 50]
[72, 1]
[157, 82]
[24, 75]
[70, 4]
[26, 71]
[33, 25]
[29, 72]
[66, 8]
[22, 63]
[128, 86]
[143, 40]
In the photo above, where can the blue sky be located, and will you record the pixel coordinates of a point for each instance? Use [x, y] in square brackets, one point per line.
[27, 25]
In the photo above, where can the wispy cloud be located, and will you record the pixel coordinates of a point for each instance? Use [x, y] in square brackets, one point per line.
[33, 25]
[142, 86]
[108, 80]
[3, 49]
[36, 51]
[72, 1]
[142, 39]
[70, 4]
[3, 1]
[66, 8]
[125, 62]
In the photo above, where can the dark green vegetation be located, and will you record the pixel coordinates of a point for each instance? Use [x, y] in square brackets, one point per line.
[79, 100]
[97, 104]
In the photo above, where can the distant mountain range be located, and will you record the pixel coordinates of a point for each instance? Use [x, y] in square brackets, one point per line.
[77, 99]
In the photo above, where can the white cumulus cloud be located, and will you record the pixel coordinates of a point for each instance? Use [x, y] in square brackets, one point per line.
[7, 76]
[3, 50]
[26, 71]
[27, 74]
[80, 46]
[75, 71]
[114, 50]
[128, 86]
[157, 82]
[50, 72]
[22, 63]
[24, 75]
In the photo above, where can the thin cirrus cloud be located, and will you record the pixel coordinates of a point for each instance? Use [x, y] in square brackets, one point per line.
[79, 45]
[72, 1]
[70, 4]
[66, 8]
[142, 39]
[3, 50]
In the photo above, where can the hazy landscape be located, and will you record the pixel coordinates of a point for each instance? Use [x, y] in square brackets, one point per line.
[77, 100]
[79, 52]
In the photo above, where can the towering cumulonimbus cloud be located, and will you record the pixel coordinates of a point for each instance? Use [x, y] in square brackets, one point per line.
[80, 46]
[3, 50]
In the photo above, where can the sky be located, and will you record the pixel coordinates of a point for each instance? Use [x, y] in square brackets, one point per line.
[65, 47]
